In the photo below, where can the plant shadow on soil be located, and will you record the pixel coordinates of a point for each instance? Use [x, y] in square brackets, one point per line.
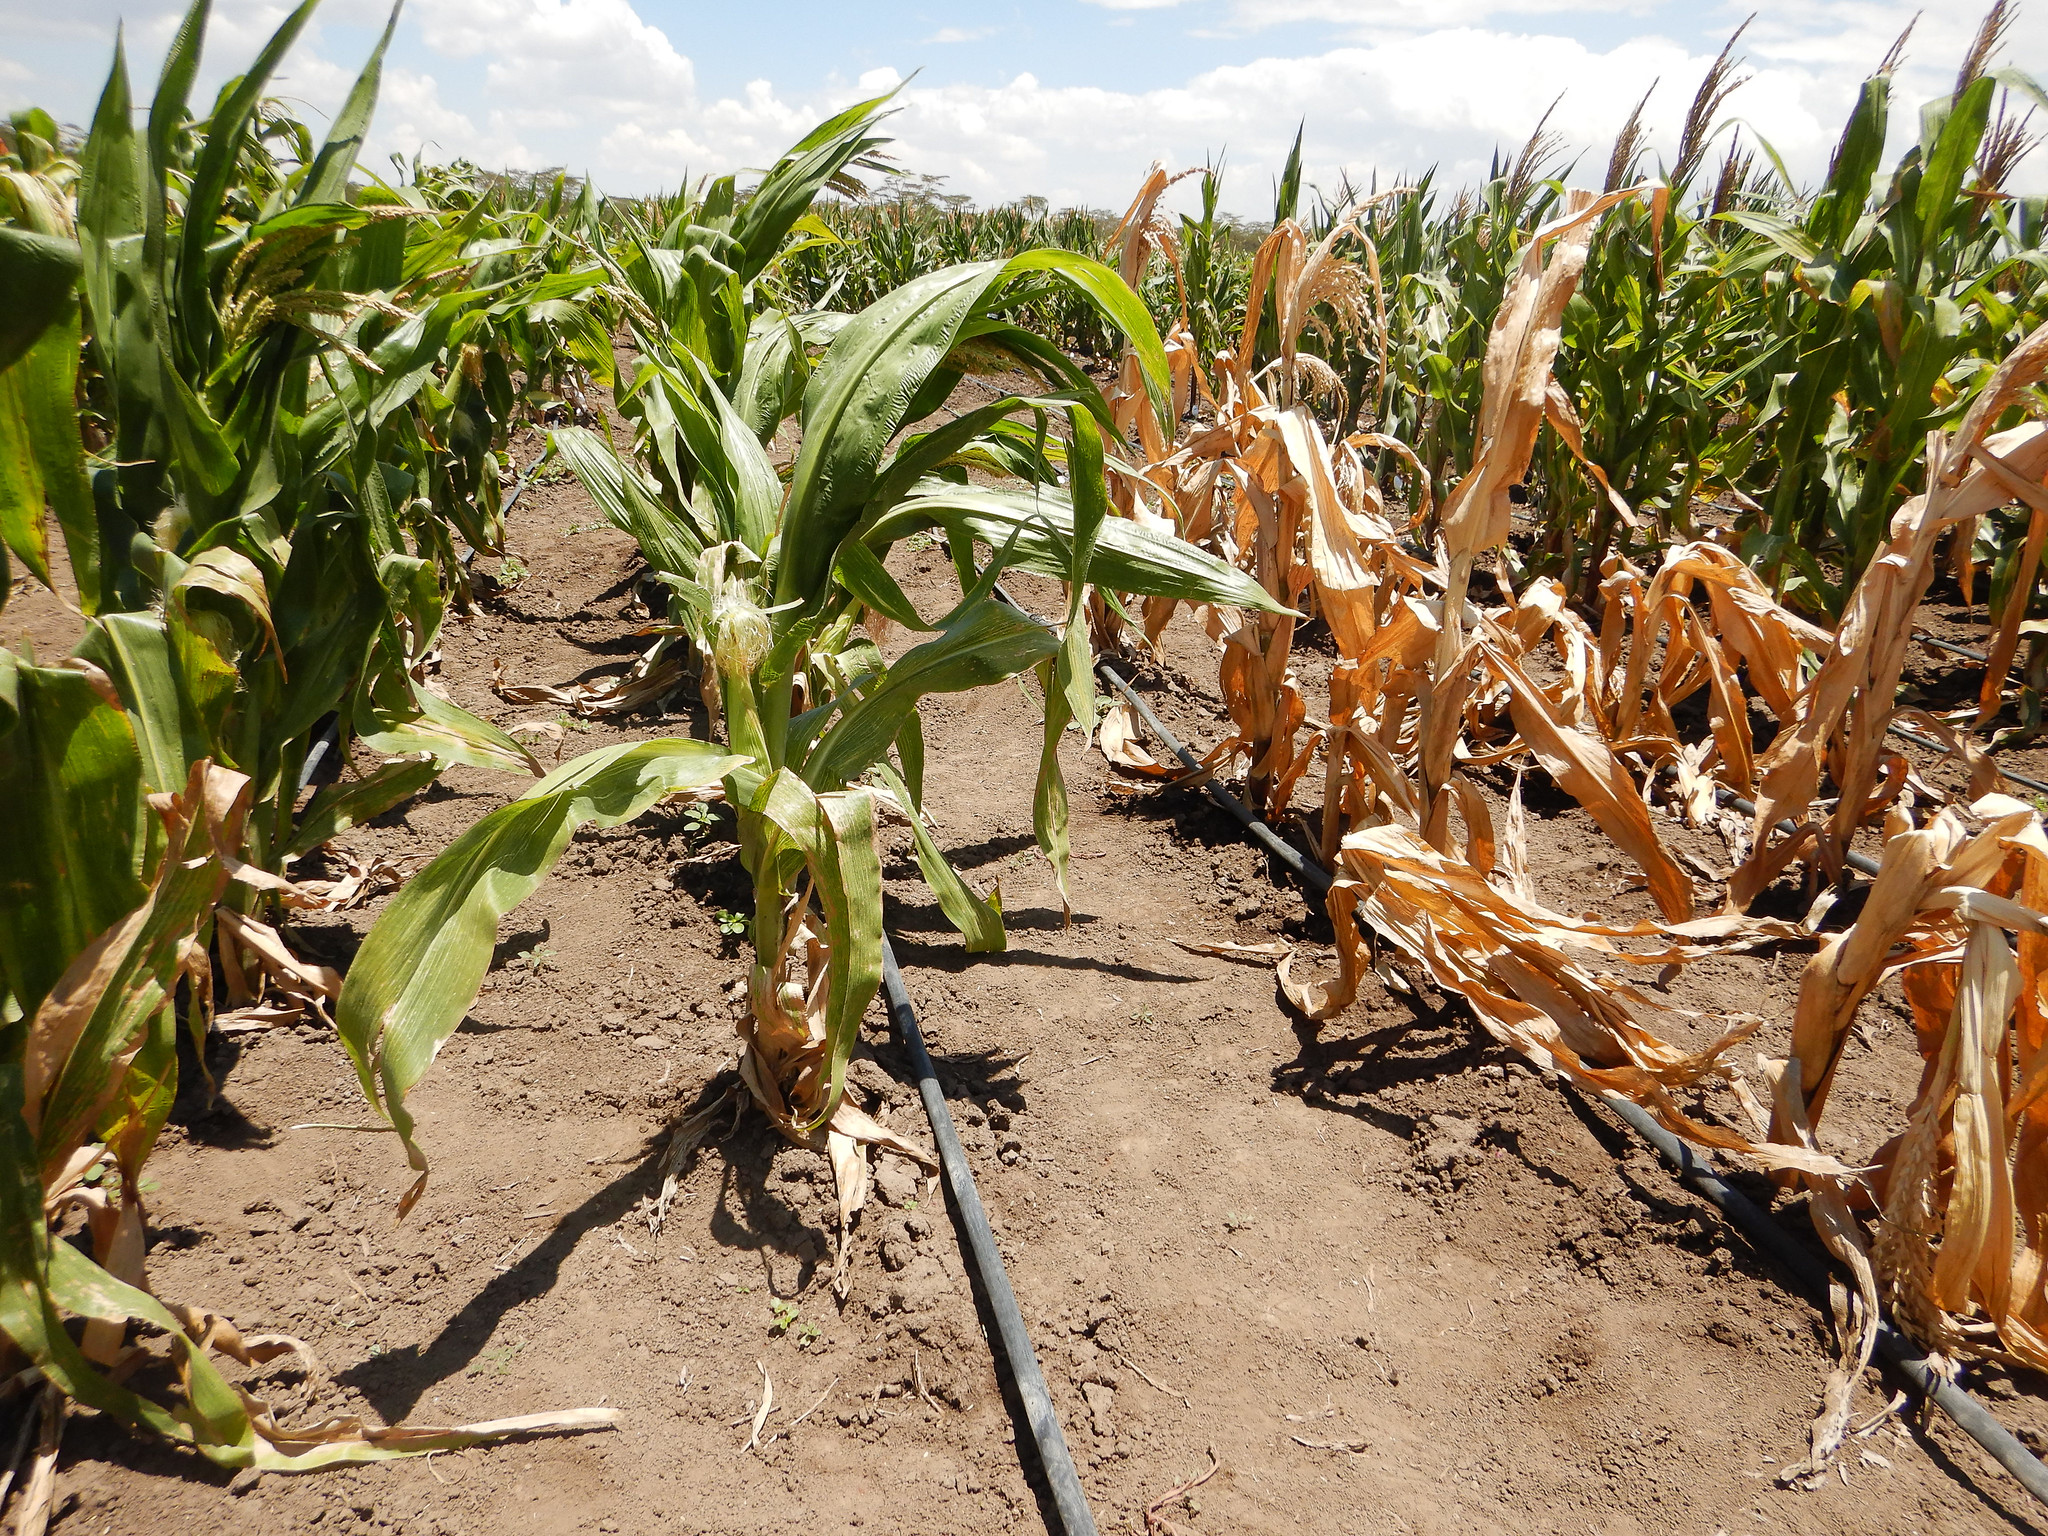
[747, 1217]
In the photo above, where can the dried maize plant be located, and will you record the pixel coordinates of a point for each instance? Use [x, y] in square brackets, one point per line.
[1845, 709]
[1607, 720]
[1147, 230]
[1262, 487]
[1963, 1232]
[1958, 1201]
[1409, 695]
[1520, 394]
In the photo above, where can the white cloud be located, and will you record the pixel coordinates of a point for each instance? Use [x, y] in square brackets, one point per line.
[593, 85]
[960, 35]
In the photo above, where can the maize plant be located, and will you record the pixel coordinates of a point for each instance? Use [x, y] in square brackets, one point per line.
[781, 596]
[1878, 316]
[240, 581]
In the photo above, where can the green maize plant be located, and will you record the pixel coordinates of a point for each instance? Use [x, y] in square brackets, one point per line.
[780, 593]
[242, 578]
[1215, 260]
[1657, 343]
[508, 318]
[1878, 316]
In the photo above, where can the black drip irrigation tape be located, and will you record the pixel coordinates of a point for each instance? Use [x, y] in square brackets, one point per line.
[1303, 867]
[1692, 1165]
[1041, 1420]
[324, 741]
[1953, 649]
[1971, 1416]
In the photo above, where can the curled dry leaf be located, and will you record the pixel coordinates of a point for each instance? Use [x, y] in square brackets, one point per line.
[1258, 953]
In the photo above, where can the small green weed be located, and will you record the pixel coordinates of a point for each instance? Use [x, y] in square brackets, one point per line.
[495, 1362]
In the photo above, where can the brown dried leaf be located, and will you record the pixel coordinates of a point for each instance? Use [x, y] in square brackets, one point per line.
[1585, 768]
[1257, 953]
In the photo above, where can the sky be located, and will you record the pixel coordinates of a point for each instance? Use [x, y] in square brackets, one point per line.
[1070, 100]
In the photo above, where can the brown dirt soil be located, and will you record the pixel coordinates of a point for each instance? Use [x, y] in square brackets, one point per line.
[1394, 1279]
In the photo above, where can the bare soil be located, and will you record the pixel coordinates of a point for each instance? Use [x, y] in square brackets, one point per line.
[1391, 1278]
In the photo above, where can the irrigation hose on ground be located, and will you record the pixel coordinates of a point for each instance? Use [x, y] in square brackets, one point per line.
[1042, 1421]
[1695, 1169]
[1692, 1165]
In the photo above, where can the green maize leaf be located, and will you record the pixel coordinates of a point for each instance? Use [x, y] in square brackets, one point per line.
[1028, 351]
[982, 643]
[858, 397]
[1128, 557]
[671, 543]
[111, 172]
[327, 180]
[47, 380]
[22, 514]
[1113, 298]
[861, 572]
[650, 401]
[1067, 678]
[979, 922]
[1834, 215]
[412, 592]
[450, 733]
[786, 193]
[328, 609]
[72, 838]
[324, 217]
[583, 335]
[910, 754]
[877, 375]
[176, 689]
[1012, 451]
[1954, 151]
[926, 452]
[37, 273]
[1287, 190]
[772, 379]
[41, 456]
[121, 982]
[835, 832]
[1780, 232]
[197, 440]
[733, 468]
[335, 808]
[426, 955]
[169, 106]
